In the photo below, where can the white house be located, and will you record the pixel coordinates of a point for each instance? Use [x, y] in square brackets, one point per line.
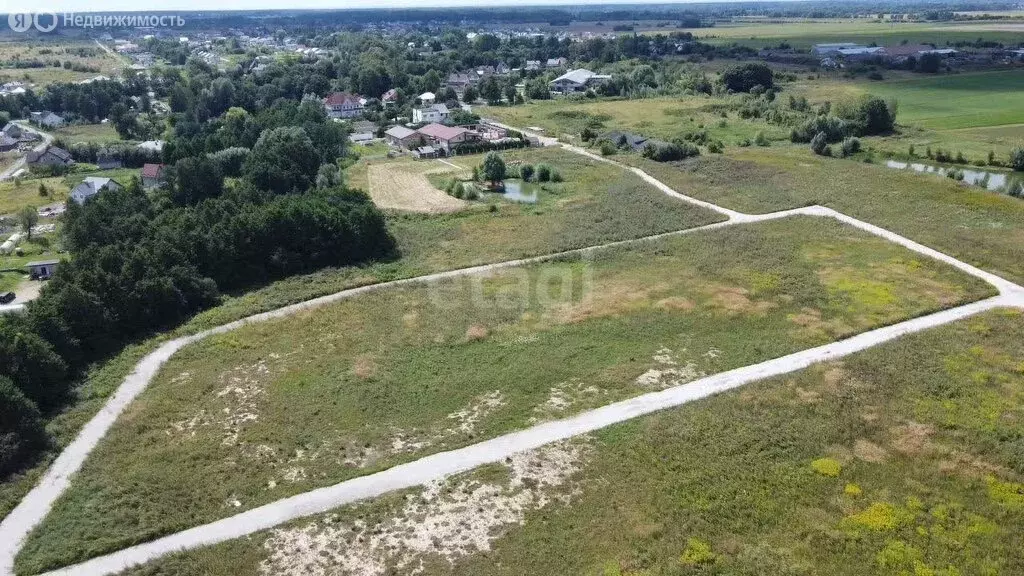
[577, 81]
[428, 98]
[92, 186]
[436, 113]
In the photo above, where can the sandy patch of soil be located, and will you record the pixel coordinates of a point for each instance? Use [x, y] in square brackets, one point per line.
[405, 187]
[451, 518]
[669, 371]
[912, 438]
[241, 393]
[869, 451]
[564, 396]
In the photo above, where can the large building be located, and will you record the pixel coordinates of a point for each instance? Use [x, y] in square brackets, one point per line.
[343, 105]
[579, 80]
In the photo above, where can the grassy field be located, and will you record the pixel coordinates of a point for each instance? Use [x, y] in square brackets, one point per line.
[389, 377]
[597, 204]
[903, 459]
[664, 118]
[759, 34]
[979, 227]
[17, 193]
[99, 133]
[78, 53]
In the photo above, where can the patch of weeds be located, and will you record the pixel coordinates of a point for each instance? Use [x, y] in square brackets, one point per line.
[827, 467]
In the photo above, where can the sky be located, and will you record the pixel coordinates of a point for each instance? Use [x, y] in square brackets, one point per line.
[64, 6]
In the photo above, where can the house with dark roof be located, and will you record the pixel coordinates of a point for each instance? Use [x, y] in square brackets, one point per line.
[50, 156]
[343, 105]
[403, 138]
[446, 137]
[46, 118]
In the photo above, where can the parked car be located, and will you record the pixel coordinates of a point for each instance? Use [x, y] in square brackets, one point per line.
[7, 298]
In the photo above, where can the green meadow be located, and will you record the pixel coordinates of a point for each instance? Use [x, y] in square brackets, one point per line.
[389, 377]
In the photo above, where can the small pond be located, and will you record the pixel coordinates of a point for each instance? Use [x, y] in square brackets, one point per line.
[996, 180]
[519, 191]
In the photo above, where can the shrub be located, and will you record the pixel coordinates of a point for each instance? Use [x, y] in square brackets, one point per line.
[744, 143]
[991, 157]
[543, 173]
[526, 172]
[835, 129]
[607, 148]
[669, 152]
[556, 176]
[470, 192]
[1015, 189]
[819, 143]
[827, 467]
[850, 146]
[697, 552]
[910, 150]
[1017, 159]
[745, 77]
[716, 147]
[761, 140]
[955, 174]
[458, 190]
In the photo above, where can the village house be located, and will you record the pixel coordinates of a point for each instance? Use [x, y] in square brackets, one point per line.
[434, 113]
[153, 175]
[532, 65]
[403, 138]
[343, 105]
[446, 138]
[459, 82]
[92, 186]
[43, 269]
[578, 80]
[427, 98]
[47, 119]
[50, 156]
[389, 98]
[108, 161]
[7, 143]
[556, 63]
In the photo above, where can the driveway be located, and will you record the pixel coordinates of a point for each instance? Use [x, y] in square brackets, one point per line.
[20, 162]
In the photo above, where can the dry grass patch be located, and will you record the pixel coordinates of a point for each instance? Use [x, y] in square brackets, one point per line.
[404, 186]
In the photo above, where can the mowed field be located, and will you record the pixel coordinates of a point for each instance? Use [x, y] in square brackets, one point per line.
[902, 459]
[803, 34]
[275, 409]
[404, 186]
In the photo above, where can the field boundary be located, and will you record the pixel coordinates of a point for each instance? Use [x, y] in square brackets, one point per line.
[37, 504]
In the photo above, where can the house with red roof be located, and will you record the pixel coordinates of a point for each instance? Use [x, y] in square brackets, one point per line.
[343, 105]
[446, 137]
[152, 175]
[389, 98]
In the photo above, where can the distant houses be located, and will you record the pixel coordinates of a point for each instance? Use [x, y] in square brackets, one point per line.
[446, 137]
[427, 98]
[579, 80]
[850, 51]
[343, 105]
[389, 98]
[435, 139]
[46, 119]
[92, 186]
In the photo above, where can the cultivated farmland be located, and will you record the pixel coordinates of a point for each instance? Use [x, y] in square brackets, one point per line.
[404, 186]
